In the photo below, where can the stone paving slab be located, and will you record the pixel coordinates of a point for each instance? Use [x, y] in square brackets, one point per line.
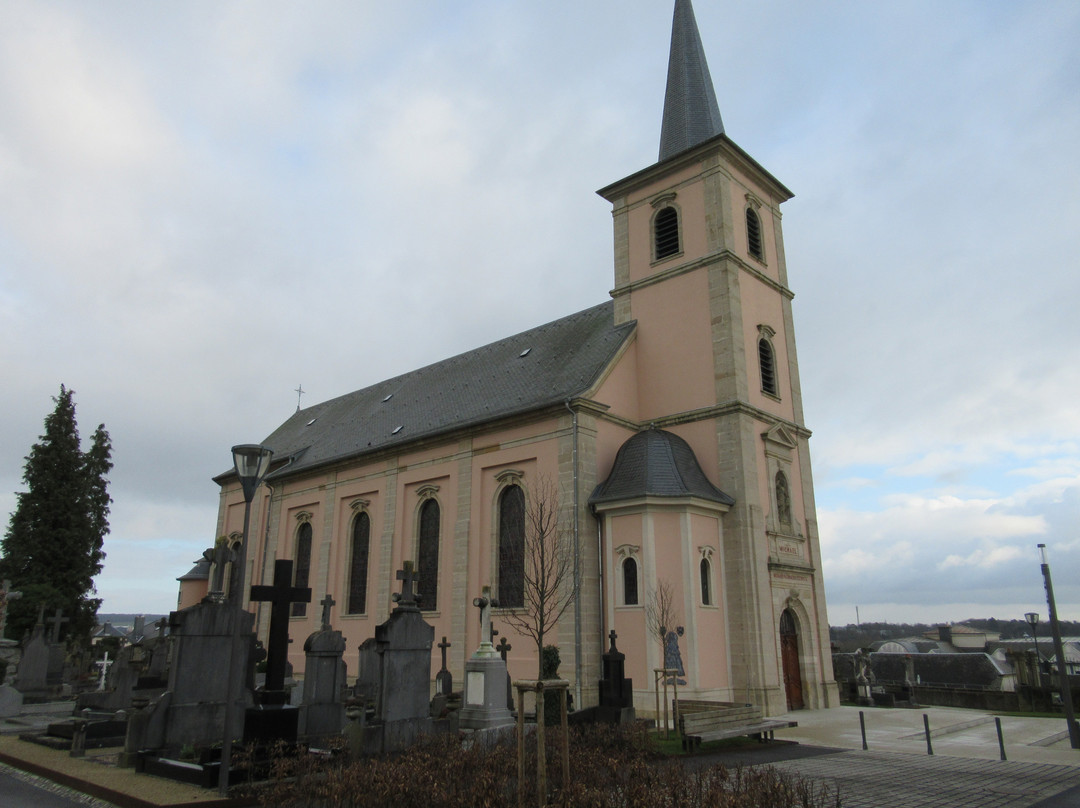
[885, 779]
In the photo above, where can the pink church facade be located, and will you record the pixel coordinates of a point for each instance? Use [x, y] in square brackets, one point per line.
[669, 419]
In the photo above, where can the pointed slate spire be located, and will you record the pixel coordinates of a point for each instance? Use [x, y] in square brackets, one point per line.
[691, 114]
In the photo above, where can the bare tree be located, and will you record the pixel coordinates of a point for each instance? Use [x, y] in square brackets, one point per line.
[546, 567]
[660, 614]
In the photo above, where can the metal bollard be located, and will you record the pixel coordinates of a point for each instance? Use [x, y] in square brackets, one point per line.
[1001, 738]
[926, 728]
[862, 728]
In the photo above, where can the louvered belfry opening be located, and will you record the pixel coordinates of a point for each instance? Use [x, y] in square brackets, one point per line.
[753, 234]
[768, 367]
[666, 231]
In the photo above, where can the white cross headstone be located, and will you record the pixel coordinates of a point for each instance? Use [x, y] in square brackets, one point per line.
[485, 602]
[105, 663]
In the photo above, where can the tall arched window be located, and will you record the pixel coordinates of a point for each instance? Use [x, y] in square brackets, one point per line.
[630, 587]
[666, 233]
[512, 547]
[783, 499]
[302, 565]
[427, 556]
[706, 582]
[358, 564]
[768, 367]
[753, 235]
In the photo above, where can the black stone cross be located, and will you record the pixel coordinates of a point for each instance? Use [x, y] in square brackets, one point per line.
[327, 603]
[57, 620]
[612, 635]
[406, 599]
[444, 680]
[281, 595]
[503, 648]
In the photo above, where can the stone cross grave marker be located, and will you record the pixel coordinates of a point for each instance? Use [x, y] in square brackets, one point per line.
[484, 603]
[6, 595]
[282, 594]
[327, 604]
[161, 625]
[104, 663]
[57, 620]
[504, 648]
[444, 680]
[407, 598]
[219, 556]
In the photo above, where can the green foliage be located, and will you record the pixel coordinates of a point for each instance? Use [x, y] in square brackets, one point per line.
[53, 545]
[610, 767]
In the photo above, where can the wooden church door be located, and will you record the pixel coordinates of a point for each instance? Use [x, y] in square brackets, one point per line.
[789, 656]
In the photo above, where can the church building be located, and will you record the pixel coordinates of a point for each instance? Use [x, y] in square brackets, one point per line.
[668, 419]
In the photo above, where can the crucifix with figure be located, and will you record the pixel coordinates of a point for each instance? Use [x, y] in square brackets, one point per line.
[281, 595]
[485, 603]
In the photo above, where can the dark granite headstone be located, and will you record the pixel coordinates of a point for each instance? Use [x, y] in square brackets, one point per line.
[616, 691]
[444, 680]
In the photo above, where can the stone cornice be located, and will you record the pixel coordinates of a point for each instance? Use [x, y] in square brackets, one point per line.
[704, 261]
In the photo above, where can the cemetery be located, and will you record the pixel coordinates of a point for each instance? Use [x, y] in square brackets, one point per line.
[162, 705]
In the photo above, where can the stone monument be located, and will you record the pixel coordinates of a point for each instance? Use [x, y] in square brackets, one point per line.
[616, 691]
[322, 712]
[485, 678]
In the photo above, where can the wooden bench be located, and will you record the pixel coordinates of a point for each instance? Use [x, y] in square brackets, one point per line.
[701, 721]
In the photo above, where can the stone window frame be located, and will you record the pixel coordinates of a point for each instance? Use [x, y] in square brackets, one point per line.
[303, 519]
[506, 479]
[770, 382]
[359, 507]
[425, 494]
[754, 227]
[781, 448]
[623, 554]
[660, 204]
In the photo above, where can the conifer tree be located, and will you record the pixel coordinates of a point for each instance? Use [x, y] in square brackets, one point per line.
[53, 545]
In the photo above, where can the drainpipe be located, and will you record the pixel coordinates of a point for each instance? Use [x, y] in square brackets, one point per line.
[577, 566]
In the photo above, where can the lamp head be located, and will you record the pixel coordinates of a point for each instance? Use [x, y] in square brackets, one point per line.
[1032, 619]
[252, 461]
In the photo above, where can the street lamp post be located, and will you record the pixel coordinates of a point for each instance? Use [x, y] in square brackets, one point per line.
[252, 462]
[1063, 675]
[1032, 619]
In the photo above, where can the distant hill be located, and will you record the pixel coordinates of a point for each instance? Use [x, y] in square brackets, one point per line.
[852, 637]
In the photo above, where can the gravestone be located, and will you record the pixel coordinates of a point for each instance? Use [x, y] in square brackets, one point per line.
[396, 668]
[323, 710]
[198, 692]
[485, 678]
[158, 668]
[31, 679]
[444, 680]
[273, 718]
[54, 676]
[504, 648]
[616, 691]
[6, 595]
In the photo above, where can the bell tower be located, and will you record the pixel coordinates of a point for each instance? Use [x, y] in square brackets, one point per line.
[700, 267]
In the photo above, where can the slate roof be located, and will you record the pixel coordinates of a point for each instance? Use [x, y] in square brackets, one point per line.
[200, 572]
[529, 371]
[950, 670]
[657, 463]
[691, 113]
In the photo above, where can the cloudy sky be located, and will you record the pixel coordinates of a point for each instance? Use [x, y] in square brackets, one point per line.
[204, 205]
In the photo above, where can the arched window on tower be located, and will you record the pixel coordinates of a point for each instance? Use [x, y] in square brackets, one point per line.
[767, 361]
[427, 556]
[754, 244]
[706, 582]
[630, 582]
[783, 499]
[302, 565]
[358, 564]
[666, 233]
[512, 547]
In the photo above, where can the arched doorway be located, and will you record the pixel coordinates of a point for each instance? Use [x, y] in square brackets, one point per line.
[789, 656]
